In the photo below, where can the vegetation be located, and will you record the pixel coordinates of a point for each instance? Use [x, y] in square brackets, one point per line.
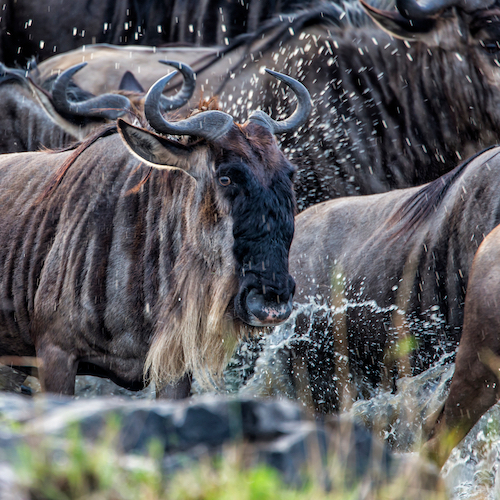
[73, 468]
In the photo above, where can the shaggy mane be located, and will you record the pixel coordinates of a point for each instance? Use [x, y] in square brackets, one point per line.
[195, 330]
[427, 199]
[77, 148]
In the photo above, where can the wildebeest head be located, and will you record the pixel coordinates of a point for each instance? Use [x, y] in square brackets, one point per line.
[245, 186]
[455, 41]
[76, 110]
[32, 117]
[476, 22]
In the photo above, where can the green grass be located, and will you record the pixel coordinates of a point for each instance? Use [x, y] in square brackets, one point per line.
[70, 469]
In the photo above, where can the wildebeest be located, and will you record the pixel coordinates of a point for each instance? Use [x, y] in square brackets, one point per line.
[475, 385]
[40, 28]
[108, 63]
[32, 118]
[388, 273]
[388, 113]
[119, 266]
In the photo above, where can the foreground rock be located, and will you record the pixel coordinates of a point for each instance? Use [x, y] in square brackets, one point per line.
[274, 432]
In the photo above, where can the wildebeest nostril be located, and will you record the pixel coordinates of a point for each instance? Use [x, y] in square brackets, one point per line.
[255, 300]
[267, 311]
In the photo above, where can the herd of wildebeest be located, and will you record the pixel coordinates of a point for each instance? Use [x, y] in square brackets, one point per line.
[171, 182]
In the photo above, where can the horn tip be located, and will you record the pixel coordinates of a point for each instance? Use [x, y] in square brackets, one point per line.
[175, 64]
[271, 72]
[81, 65]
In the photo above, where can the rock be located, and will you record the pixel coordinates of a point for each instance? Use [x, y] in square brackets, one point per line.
[11, 380]
[142, 425]
[289, 453]
[278, 432]
[88, 387]
[275, 432]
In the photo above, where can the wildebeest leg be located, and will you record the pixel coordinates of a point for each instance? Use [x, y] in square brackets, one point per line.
[57, 369]
[473, 391]
[475, 385]
[179, 390]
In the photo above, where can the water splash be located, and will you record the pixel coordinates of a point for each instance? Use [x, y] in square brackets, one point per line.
[473, 468]
[399, 417]
[263, 367]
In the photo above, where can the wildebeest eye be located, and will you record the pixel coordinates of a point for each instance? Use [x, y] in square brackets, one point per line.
[491, 47]
[224, 180]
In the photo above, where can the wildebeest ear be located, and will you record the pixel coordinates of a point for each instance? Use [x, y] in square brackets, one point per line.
[129, 82]
[154, 149]
[43, 98]
[395, 24]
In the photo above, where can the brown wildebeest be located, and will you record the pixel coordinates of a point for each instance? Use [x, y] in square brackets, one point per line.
[388, 113]
[388, 268]
[475, 384]
[32, 118]
[151, 263]
[141, 61]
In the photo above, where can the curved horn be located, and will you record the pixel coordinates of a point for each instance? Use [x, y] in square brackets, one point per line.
[411, 9]
[299, 116]
[210, 124]
[109, 106]
[397, 25]
[186, 91]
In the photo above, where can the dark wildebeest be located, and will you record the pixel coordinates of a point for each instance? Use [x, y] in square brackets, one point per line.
[385, 269]
[32, 118]
[475, 385]
[388, 113]
[41, 28]
[122, 266]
